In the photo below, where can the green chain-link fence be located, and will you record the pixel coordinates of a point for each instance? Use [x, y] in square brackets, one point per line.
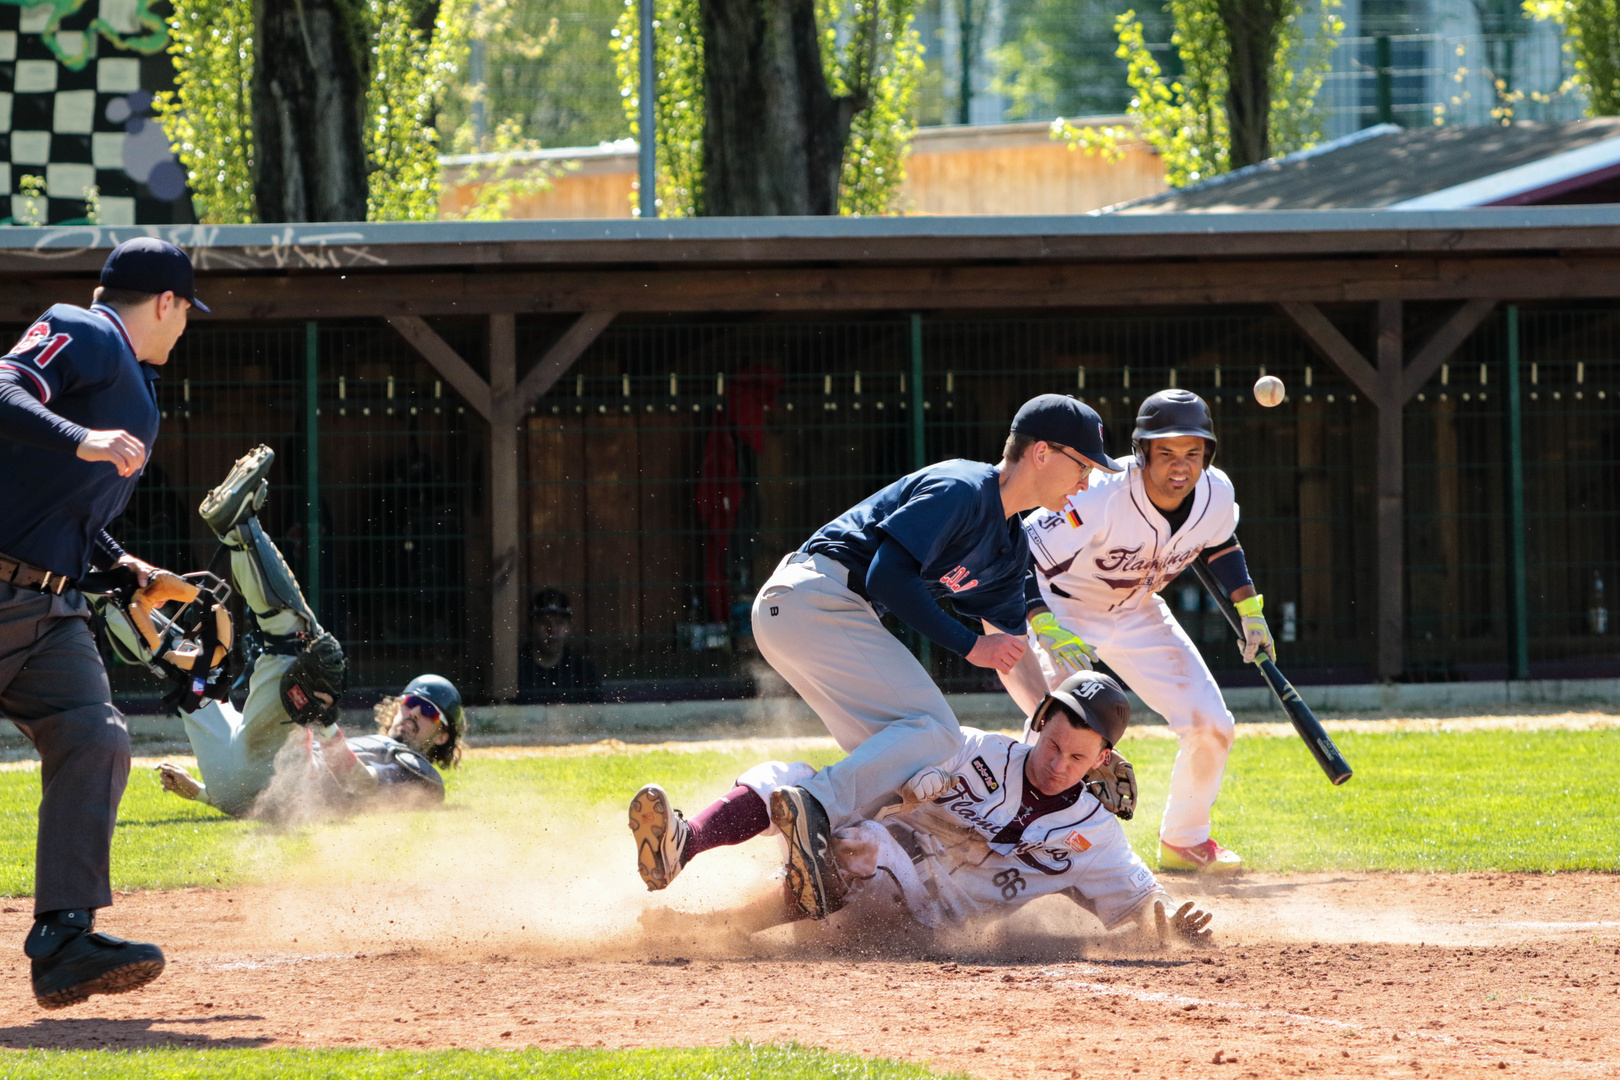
[666, 473]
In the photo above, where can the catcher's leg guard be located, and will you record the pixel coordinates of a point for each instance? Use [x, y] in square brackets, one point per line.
[267, 583]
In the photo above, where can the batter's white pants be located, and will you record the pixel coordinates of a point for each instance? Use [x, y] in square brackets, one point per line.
[236, 749]
[1154, 655]
[872, 694]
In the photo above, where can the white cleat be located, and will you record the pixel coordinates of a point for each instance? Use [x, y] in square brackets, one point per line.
[661, 834]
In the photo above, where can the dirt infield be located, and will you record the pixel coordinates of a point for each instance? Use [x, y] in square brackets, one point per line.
[1342, 975]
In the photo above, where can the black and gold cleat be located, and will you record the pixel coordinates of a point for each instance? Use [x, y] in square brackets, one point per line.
[812, 879]
[241, 494]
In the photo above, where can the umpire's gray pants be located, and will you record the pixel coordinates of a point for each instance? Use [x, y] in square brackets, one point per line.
[874, 697]
[54, 688]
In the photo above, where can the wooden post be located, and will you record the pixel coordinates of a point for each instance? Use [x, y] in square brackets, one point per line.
[502, 401]
[504, 585]
[1390, 386]
[1391, 486]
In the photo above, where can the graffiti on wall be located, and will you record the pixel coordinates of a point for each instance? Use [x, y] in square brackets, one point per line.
[78, 141]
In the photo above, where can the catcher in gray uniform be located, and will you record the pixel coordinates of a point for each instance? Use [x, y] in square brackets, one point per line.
[250, 762]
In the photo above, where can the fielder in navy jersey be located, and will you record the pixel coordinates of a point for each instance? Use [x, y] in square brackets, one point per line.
[78, 416]
[949, 530]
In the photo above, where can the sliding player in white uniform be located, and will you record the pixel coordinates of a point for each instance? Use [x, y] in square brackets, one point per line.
[1099, 566]
[994, 826]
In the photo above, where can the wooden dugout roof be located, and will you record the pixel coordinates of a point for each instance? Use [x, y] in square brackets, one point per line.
[852, 264]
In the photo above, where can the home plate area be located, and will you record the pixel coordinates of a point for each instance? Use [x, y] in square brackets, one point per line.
[1343, 974]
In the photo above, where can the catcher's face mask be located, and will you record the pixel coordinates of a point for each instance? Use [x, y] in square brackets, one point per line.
[177, 627]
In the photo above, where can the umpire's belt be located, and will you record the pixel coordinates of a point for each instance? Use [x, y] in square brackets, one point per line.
[27, 576]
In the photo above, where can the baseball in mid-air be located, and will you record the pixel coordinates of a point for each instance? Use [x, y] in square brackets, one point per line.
[1268, 390]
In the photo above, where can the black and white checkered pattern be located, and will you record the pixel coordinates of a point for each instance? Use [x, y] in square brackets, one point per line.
[73, 126]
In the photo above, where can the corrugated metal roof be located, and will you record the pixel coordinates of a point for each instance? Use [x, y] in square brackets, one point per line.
[1395, 166]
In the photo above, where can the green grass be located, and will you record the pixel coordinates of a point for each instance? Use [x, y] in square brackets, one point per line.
[735, 1062]
[1487, 800]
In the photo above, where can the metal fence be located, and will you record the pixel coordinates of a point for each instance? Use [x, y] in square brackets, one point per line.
[671, 468]
[1419, 80]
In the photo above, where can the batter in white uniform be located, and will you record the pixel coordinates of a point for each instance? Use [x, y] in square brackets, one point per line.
[1099, 565]
[997, 825]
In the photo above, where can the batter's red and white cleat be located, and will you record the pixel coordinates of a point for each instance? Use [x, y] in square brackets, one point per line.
[661, 834]
[1206, 858]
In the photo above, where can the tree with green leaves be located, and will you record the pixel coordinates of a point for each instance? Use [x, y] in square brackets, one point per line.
[208, 113]
[1251, 70]
[312, 110]
[1592, 34]
[1057, 58]
[777, 106]
[545, 69]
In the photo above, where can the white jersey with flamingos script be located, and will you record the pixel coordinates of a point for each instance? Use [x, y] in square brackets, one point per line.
[1111, 549]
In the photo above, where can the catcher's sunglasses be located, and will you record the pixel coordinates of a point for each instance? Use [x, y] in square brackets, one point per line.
[423, 706]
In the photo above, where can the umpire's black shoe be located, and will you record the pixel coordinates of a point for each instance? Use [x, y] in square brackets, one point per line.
[812, 878]
[71, 961]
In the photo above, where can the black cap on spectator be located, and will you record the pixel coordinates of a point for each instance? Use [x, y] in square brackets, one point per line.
[551, 602]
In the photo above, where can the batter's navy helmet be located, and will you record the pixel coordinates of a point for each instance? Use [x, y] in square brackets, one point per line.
[1170, 413]
[1095, 699]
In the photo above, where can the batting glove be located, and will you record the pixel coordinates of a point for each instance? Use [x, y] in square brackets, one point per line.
[928, 784]
[1256, 634]
[1065, 649]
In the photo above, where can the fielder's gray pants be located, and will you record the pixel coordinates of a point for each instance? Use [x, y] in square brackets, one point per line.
[236, 749]
[54, 688]
[874, 697]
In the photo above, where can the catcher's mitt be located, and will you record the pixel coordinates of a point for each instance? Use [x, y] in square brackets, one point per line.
[313, 682]
[1114, 784]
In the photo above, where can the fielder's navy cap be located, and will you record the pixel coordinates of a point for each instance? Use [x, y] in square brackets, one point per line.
[1059, 418]
[149, 265]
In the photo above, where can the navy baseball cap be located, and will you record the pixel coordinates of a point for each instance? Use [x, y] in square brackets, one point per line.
[1068, 421]
[149, 265]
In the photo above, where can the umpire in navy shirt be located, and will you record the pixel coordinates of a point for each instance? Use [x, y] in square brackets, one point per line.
[78, 415]
[951, 530]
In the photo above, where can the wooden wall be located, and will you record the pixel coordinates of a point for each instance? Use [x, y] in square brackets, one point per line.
[988, 169]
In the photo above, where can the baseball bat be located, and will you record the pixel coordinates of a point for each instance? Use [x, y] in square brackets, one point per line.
[1310, 729]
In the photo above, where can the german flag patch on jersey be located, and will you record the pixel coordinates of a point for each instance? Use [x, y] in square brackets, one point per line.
[985, 774]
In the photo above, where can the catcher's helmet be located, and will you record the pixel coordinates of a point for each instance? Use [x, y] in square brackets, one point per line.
[178, 629]
[442, 692]
[1170, 413]
[1095, 699]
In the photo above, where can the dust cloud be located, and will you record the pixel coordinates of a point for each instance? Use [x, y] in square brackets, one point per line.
[519, 874]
